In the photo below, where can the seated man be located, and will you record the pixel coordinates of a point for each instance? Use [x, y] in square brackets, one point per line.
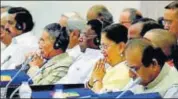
[150, 65]
[141, 26]
[128, 16]
[87, 54]
[170, 18]
[19, 23]
[101, 13]
[52, 45]
[166, 41]
[65, 16]
[75, 27]
[5, 37]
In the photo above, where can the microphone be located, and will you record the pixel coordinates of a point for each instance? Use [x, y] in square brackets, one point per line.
[12, 94]
[23, 66]
[7, 59]
[135, 82]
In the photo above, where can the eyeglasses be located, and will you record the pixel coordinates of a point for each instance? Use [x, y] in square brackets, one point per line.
[104, 46]
[134, 69]
[83, 34]
[168, 22]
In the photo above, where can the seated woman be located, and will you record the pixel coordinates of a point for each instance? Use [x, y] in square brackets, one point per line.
[150, 65]
[116, 76]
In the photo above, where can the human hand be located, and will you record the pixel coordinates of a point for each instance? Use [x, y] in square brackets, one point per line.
[37, 59]
[99, 70]
[73, 39]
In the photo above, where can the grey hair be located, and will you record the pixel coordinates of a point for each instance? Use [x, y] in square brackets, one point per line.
[76, 24]
[53, 29]
[72, 15]
[133, 13]
[108, 18]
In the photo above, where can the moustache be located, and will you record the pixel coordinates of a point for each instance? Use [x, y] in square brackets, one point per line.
[8, 31]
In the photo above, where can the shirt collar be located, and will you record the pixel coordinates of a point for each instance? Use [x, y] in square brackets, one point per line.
[93, 51]
[20, 38]
[165, 70]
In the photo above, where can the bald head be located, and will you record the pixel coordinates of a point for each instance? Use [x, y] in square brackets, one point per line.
[161, 38]
[65, 16]
[135, 30]
[94, 11]
[100, 12]
[128, 16]
[142, 50]
[140, 44]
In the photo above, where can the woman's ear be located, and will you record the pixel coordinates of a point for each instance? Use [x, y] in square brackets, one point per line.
[121, 47]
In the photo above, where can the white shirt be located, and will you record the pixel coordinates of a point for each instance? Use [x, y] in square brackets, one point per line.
[74, 52]
[19, 46]
[3, 47]
[81, 68]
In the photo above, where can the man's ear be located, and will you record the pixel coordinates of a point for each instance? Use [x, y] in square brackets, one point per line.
[155, 64]
[76, 33]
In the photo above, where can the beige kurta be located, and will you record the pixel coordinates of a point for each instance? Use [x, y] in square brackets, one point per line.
[116, 77]
[167, 78]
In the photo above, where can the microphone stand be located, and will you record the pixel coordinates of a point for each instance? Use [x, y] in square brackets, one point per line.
[23, 66]
[12, 94]
[135, 82]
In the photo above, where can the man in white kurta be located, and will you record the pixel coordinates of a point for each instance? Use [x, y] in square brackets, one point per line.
[82, 66]
[23, 40]
[19, 46]
[85, 54]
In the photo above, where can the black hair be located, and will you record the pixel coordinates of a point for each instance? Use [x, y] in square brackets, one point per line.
[96, 25]
[160, 21]
[172, 5]
[59, 34]
[174, 55]
[151, 53]
[143, 20]
[149, 25]
[116, 32]
[22, 16]
[107, 18]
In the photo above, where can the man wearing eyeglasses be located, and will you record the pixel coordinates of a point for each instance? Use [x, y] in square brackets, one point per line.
[171, 18]
[89, 53]
[150, 65]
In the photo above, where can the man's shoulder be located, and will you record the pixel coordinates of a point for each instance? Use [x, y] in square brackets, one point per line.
[63, 59]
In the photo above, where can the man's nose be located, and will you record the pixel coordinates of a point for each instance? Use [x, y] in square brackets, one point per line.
[81, 39]
[6, 26]
[166, 26]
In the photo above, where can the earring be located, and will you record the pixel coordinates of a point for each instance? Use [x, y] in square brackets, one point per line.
[121, 55]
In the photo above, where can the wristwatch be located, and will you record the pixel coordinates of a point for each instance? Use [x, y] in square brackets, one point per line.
[96, 80]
